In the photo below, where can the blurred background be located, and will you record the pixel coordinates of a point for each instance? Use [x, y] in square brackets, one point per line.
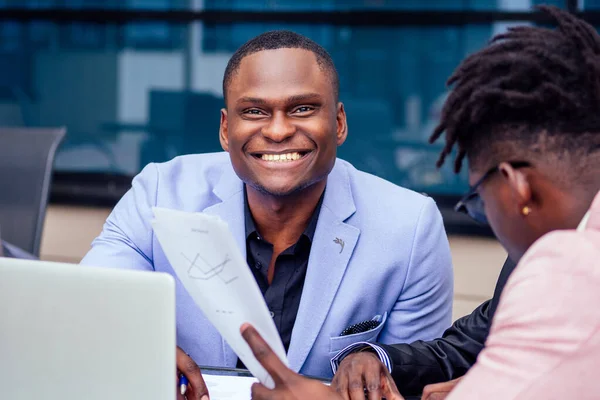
[139, 81]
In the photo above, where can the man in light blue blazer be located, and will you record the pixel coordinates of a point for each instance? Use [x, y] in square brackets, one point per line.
[343, 246]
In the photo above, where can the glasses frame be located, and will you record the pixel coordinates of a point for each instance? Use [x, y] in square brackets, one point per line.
[471, 203]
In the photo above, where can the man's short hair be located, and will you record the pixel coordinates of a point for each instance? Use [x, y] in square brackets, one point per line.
[281, 39]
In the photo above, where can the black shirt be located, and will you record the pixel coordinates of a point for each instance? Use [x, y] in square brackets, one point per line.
[284, 293]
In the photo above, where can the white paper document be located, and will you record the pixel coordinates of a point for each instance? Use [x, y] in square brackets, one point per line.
[223, 387]
[207, 260]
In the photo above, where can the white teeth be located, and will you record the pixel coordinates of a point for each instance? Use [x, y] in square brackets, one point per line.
[281, 157]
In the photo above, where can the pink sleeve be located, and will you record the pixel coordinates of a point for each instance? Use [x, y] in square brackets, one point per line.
[543, 317]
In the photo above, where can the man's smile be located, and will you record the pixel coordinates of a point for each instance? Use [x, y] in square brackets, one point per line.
[281, 158]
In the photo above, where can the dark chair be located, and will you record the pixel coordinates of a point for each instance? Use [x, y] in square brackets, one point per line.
[26, 163]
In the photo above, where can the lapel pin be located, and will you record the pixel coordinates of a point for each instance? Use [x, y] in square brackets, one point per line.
[340, 242]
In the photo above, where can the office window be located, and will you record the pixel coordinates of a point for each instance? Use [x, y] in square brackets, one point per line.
[291, 5]
[156, 4]
[124, 109]
[11, 36]
[589, 4]
[83, 35]
[96, 4]
[143, 92]
[337, 5]
[152, 35]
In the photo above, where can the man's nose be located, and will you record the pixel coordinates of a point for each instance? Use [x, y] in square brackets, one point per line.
[279, 128]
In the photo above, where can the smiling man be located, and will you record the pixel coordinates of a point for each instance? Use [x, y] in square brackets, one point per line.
[330, 247]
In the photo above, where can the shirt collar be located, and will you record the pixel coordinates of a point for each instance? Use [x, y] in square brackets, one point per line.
[583, 224]
[309, 232]
[586, 221]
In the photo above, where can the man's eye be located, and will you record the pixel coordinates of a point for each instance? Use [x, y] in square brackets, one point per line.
[303, 109]
[253, 112]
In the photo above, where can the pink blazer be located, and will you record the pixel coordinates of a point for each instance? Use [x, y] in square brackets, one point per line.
[544, 342]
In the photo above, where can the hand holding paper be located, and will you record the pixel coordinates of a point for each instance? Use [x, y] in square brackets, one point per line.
[207, 261]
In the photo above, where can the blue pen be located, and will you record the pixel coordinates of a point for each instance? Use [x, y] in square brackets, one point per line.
[183, 382]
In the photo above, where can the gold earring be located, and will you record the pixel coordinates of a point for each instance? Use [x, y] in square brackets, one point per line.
[526, 211]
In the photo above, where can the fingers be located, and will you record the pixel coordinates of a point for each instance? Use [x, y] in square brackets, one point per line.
[356, 387]
[432, 388]
[358, 372]
[197, 389]
[392, 396]
[265, 356]
[439, 391]
[365, 371]
[390, 390]
[436, 396]
[361, 371]
[372, 383]
[340, 384]
[356, 393]
[260, 392]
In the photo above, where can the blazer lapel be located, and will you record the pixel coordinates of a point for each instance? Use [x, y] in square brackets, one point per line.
[231, 210]
[230, 191]
[332, 247]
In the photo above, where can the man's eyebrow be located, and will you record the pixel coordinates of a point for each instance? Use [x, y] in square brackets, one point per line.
[304, 97]
[255, 100]
[292, 99]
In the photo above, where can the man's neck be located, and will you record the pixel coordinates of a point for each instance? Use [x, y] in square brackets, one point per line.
[575, 204]
[282, 220]
[582, 208]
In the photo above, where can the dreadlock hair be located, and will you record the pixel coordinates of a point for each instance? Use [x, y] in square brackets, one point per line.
[281, 39]
[531, 89]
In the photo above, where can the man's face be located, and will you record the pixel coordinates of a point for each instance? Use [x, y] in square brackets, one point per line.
[282, 124]
[501, 194]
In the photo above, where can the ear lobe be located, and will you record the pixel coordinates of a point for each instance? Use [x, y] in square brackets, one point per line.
[519, 184]
[342, 124]
[223, 132]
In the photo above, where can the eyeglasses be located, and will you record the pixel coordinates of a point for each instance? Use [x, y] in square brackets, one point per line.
[472, 204]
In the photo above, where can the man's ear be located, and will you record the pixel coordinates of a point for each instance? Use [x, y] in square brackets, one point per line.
[342, 124]
[519, 185]
[223, 133]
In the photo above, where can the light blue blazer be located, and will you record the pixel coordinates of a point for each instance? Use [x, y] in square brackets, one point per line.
[395, 264]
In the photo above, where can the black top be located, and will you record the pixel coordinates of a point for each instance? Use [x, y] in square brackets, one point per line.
[284, 293]
[423, 362]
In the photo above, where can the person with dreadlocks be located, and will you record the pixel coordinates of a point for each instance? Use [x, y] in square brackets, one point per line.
[525, 112]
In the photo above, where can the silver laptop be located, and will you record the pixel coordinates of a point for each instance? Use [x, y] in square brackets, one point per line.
[72, 332]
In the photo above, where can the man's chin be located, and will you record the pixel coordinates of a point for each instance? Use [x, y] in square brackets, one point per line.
[279, 190]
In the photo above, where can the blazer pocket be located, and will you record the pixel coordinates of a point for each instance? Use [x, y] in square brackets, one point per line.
[337, 343]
